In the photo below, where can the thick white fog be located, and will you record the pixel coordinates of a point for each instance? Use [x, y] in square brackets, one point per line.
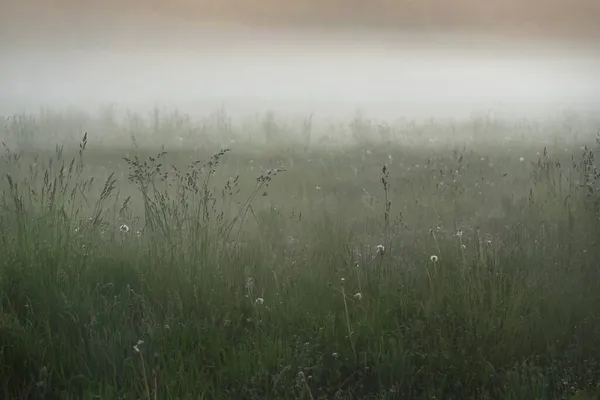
[386, 75]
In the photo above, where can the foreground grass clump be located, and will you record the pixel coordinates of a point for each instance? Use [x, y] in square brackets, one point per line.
[386, 272]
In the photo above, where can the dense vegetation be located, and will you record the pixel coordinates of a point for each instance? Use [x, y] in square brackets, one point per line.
[408, 262]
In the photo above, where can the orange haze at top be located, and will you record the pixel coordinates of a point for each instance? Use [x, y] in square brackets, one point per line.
[540, 18]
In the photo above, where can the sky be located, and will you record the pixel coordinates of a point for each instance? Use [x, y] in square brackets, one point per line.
[556, 18]
[394, 57]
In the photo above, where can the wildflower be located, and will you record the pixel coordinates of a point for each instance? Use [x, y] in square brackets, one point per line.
[343, 280]
[521, 159]
[433, 258]
[380, 249]
[358, 296]
[463, 246]
[318, 187]
[137, 346]
[335, 355]
[356, 264]
[459, 233]
[124, 228]
[259, 301]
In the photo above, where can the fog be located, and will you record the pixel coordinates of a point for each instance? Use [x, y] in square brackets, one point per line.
[327, 73]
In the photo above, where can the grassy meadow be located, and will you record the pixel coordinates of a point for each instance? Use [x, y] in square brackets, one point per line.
[177, 258]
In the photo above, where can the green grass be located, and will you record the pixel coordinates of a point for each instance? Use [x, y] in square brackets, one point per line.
[254, 273]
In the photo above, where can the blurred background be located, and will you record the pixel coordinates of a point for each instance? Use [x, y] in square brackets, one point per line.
[442, 58]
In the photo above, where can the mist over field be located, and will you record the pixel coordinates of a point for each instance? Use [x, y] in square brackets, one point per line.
[300, 200]
[141, 61]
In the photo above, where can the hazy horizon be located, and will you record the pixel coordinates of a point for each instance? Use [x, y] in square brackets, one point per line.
[61, 55]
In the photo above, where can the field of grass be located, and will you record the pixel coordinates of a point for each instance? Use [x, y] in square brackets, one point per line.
[273, 260]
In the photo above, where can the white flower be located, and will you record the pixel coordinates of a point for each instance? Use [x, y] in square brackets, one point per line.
[459, 233]
[318, 187]
[137, 346]
[259, 300]
[343, 280]
[463, 246]
[336, 355]
[124, 228]
[358, 296]
[433, 258]
[380, 249]
[521, 159]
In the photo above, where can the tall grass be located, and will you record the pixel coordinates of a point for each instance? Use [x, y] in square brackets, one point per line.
[361, 271]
